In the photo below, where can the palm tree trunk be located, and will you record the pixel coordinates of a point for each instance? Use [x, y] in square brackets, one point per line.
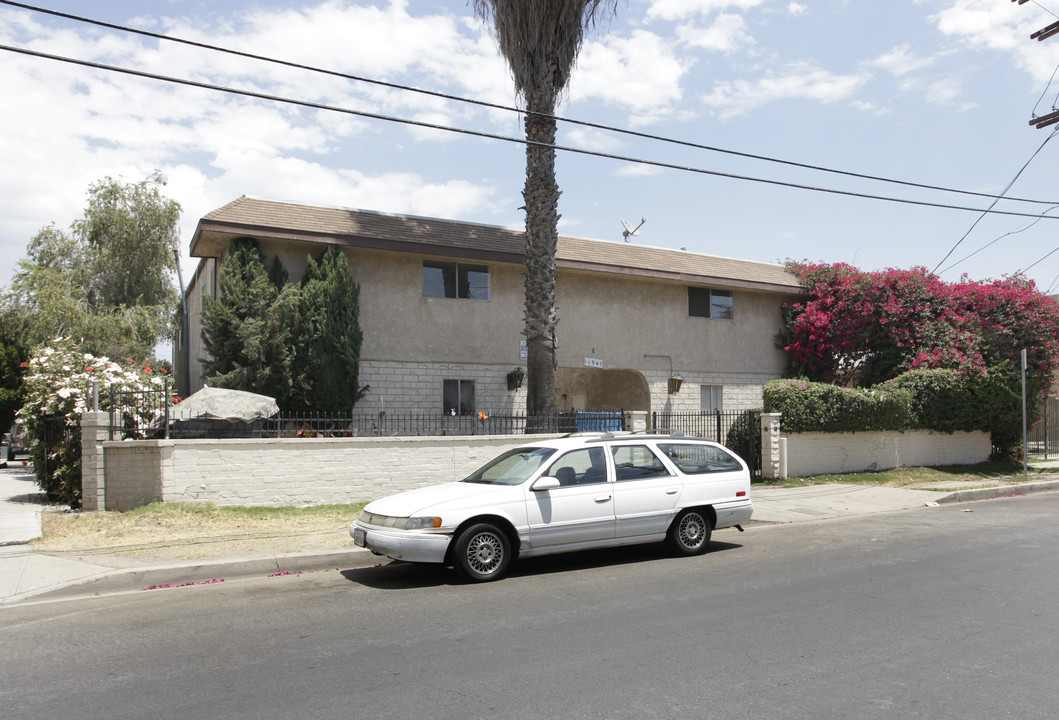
[541, 196]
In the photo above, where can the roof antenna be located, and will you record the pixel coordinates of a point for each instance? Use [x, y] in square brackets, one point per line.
[629, 229]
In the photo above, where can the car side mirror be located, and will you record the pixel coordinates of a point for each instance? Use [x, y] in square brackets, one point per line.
[545, 483]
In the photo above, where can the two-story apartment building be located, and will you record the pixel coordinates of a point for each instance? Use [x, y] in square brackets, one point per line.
[441, 306]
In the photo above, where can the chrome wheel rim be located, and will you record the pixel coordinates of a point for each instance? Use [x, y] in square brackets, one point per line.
[485, 552]
[691, 531]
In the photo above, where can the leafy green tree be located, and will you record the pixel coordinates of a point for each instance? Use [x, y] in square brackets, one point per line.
[130, 234]
[328, 353]
[299, 343]
[13, 357]
[247, 330]
[540, 42]
[109, 280]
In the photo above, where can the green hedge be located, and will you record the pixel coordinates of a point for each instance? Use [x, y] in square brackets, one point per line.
[820, 407]
[940, 400]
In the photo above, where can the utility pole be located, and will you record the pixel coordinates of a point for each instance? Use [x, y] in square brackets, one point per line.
[1043, 34]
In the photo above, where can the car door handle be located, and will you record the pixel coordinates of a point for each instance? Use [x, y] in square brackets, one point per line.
[602, 498]
[672, 491]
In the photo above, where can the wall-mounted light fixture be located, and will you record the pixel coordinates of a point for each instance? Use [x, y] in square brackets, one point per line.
[515, 378]
[675, 380]
[674, 384]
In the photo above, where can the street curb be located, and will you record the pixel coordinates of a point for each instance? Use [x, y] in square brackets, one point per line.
[989, 493]
[211, 571]
[207, 572]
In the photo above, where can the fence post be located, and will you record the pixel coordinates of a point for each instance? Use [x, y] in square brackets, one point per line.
[636, 420]
[770, 445]
[95, 428]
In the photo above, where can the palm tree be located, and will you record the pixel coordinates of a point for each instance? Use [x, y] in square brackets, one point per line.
[540, 40]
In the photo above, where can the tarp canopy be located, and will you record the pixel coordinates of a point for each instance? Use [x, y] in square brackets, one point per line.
[223, 404]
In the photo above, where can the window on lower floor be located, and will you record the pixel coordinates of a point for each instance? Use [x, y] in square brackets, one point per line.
[707, 303]
[462, 281]
[710, 398]
[458, 397]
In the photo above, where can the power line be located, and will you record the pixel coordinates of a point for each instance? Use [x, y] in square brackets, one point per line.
[992, 242]
[494, 106]
[493, 136]
[990, 208]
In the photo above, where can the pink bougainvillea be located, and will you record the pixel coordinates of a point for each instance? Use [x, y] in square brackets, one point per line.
[860, 328]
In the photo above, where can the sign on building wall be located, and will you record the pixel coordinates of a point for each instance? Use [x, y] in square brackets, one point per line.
[593, 362]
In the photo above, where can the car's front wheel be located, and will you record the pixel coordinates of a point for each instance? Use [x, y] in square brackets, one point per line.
[482, 553]
[690, 533]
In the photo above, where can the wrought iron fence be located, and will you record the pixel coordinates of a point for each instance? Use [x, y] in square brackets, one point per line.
[139, 414]
[738, 430]
[1042, 440]
[408, 424]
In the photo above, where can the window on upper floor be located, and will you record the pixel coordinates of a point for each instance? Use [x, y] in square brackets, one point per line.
[463, 281]
[707, 303]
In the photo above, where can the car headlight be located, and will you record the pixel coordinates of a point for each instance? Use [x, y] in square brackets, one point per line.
[401, 523]
[418, 523]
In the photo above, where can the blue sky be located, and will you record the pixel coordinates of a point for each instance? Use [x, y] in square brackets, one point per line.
[936, 92]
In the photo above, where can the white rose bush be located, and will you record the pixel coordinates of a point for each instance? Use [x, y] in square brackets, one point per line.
[59, 384]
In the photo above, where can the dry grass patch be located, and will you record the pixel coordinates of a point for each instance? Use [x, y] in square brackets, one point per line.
[193, 531]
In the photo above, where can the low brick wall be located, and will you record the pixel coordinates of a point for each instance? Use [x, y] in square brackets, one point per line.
[304, 471]
[819, 453]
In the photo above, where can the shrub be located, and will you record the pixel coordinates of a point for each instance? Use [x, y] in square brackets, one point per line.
[744, 436]
[821, 407]
[58, 385]
[939, 399]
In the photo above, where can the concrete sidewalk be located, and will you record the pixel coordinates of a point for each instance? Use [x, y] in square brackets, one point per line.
[27, 575]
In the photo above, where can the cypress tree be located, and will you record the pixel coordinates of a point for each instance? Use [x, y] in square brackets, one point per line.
[328, 348]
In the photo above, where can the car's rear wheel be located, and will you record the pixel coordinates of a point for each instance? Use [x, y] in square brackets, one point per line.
[482, 553]
[690, 533]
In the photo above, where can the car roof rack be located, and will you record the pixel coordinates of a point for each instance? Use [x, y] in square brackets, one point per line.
[664, 432]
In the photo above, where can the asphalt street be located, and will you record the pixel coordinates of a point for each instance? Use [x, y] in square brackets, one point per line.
[933, 613]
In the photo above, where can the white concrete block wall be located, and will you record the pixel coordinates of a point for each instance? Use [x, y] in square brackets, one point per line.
[290, 471]
[821, 453]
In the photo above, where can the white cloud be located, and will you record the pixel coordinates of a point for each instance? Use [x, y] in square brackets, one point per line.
[727, 34]
[795, 81]
[901, 61]
[681, 9]
[870, 107]
[641, 73]
[65, 127]
[636, 170]
[796, 8]
[1004, 27]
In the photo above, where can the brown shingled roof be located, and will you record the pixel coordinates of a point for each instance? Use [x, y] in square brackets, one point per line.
[405, 233]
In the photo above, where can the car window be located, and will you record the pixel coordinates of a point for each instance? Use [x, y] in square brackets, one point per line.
[511, 468]
[636, 462]
[580, 467]
[698, 459]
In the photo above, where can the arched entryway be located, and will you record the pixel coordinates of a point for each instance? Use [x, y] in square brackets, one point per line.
[601, 389]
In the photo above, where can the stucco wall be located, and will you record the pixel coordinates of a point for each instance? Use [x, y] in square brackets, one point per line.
[820, 453]
[412, 343]
[287, 472]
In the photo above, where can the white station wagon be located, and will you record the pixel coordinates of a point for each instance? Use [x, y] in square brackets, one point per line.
[571, 493]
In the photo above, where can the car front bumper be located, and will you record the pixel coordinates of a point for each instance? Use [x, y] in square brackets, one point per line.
[407, 545]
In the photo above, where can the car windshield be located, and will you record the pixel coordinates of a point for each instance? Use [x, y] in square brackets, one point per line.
[511, 468]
